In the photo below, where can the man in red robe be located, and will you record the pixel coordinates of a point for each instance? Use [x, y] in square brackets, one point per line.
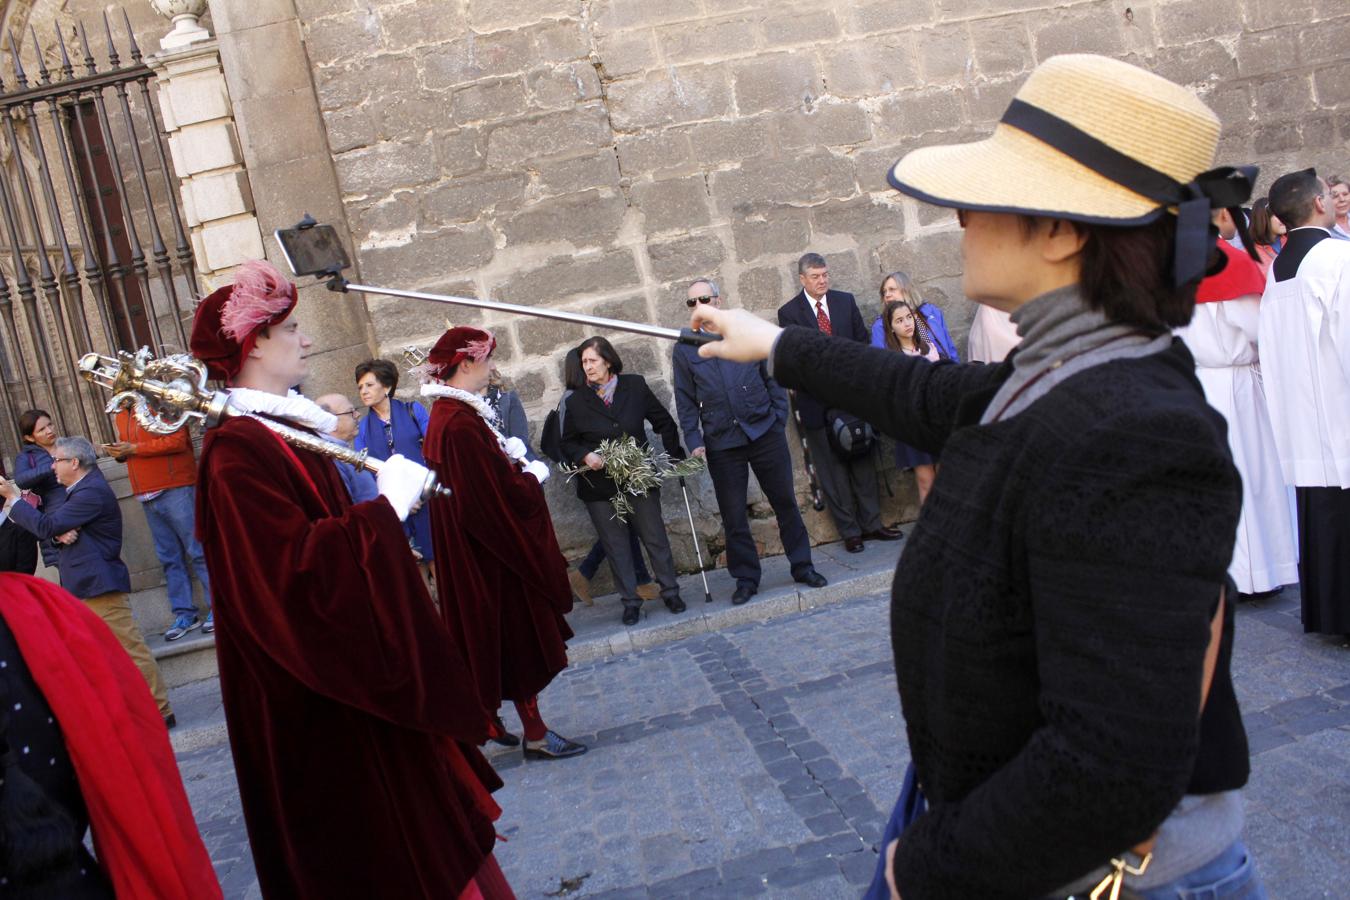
[352, 735]
[505, 589]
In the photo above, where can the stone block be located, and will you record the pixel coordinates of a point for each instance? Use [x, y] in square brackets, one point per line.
[561, 40]
[632, 308]
[230, 242]
[309, 10]
[281, 193]
[588, 219]
[1195, 20]
[568, 176]
[737, 139]
[488, 100]
[1285, 96]
[872, 166]
[625, 53]
[330, 40]
[399, 323]
[876, 65]
[760, 290]
[862, 217]
[640, 154]
[847, 274]
[1276, 137]
[705, 39]
[668, 96]
[350, 84]
[1001, 46]
[350, 128]
[913, 114]
[810, 27]
[573, 132]
[441, 252]
[944, 54]
[189, 211]
[1332, 85]
[1262, 14]
[199, 97]
[563, 85]
[472, 57]
[888, 15]
[461, 152]
[201, 148]
[824, 125]
[561, 277]
[470, 198]
[987, 101]
[377, 169]
[1195, 64]
[1325, 42]
[612, 15]
[771, 231]
[676, 203]
[924, 257]
[1090, 29]
[393, 215]
[264, 143]
[694, 256]
[422, 22]
[220, 195]
[265, 61]
[777, 81]
[806, 178]
[1262, 52]
[539, 337]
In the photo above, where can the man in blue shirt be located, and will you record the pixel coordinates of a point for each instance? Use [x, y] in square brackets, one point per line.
[734, 415]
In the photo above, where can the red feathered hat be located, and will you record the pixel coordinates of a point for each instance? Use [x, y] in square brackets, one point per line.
[228, 322]
[455, 346]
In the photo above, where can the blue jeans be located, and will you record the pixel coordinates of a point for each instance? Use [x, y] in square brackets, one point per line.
[171, 520]
[1229, 876]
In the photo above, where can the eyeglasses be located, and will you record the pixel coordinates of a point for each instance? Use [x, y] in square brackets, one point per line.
[350, 412]
[692, 301]
[57, 459]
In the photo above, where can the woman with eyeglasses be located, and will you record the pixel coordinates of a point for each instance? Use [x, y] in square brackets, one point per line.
[1061, 617]
[394, 426]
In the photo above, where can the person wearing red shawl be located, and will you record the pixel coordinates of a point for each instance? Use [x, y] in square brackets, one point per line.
[82, 745]
[352, 737]
[505, 590]
[1222, 338]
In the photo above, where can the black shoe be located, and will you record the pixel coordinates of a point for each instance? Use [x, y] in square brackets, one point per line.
[675, 604]
[170, 720]
[743, 594]
[630, 615]
[885, 534]
[504, 738]
[853, 544]
[554, 746]
[810, 577]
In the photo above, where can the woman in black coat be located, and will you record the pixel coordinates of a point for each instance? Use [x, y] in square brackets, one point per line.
[616, 405]
[1059, 617]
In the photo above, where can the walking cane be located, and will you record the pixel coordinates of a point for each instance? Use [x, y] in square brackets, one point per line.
[707, 594]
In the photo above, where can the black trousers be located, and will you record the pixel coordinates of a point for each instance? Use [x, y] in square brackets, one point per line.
[645, 521]
[767, 456]
[850, 486]
[1324, 558]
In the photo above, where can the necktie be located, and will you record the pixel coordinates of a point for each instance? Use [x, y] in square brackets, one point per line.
[823, 318]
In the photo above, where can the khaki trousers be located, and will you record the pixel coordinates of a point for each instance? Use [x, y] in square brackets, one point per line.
[114, 609]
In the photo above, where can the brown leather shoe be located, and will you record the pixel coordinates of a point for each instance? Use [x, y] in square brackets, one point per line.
[581, 586]
[885, 534]
[649, 591]
[853, 544]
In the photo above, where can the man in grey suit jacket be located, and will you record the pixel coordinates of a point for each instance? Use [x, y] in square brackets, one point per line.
[850, 486]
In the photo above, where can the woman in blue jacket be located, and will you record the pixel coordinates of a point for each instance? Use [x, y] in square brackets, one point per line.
[33, 468]
[929, 322]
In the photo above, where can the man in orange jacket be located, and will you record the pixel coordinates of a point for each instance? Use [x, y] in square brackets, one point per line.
[163, 472]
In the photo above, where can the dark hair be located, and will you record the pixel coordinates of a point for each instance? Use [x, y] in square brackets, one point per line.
[574, 379]
[1292, 197]
[385, 372]
[1126, 273]
[888, 312]
[1333, 180]
[28, 421]
[606, 350]
[1262, 227]
[810, 261]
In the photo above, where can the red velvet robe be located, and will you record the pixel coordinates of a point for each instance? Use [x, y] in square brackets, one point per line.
[501, 579]
[343, 694]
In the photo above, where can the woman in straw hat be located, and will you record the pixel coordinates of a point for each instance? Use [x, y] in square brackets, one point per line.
[1062, 639]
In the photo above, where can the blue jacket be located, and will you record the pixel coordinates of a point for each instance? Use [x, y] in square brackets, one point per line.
[33, 472]
[93, 564]
[723, 404]
[937, 324]
[408, 421]
[511, 415]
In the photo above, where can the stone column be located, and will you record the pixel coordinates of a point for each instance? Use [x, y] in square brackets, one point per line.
[204, 145]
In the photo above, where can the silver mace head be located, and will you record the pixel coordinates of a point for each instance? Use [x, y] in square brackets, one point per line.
[163, 394]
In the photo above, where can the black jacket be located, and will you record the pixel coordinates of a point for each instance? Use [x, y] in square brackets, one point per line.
[1051, 608]
[589, 421]
[845, 322]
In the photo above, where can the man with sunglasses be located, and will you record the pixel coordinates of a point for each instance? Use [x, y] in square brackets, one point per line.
[733, 415]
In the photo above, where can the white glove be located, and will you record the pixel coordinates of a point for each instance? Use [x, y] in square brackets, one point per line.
[538, 469]
[400, 480]
[514, 447]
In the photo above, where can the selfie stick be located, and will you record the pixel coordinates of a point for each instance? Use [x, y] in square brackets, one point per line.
[336, 282]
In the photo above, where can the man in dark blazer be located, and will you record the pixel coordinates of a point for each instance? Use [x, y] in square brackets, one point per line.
[88, 530]
[850, 486]
[733, 415]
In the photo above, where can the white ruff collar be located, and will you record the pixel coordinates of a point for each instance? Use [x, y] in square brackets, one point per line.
[296, 407]
[514, 448]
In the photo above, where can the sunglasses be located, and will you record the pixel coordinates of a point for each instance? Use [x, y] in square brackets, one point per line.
[692, 301]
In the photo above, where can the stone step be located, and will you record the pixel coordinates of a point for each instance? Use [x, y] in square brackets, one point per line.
[188, 659]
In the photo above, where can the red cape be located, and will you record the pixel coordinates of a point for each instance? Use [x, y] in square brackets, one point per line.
[144, 835]
[351, 729]
[1241, 277]
[502, 581]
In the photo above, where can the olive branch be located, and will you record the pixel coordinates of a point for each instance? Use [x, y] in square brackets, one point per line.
[635, 470]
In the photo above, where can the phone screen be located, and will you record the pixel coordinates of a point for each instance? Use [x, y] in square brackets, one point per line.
[312, 251]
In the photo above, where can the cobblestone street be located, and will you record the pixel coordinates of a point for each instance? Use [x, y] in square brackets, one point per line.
[762, 759]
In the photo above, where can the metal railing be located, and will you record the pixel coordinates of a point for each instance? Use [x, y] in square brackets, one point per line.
[78, 205]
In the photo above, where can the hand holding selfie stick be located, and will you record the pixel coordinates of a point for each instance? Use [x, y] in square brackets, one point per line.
[314, 249]
[164, 394]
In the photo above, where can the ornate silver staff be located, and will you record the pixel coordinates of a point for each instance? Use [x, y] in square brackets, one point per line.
[163, 394]
[314, 249]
